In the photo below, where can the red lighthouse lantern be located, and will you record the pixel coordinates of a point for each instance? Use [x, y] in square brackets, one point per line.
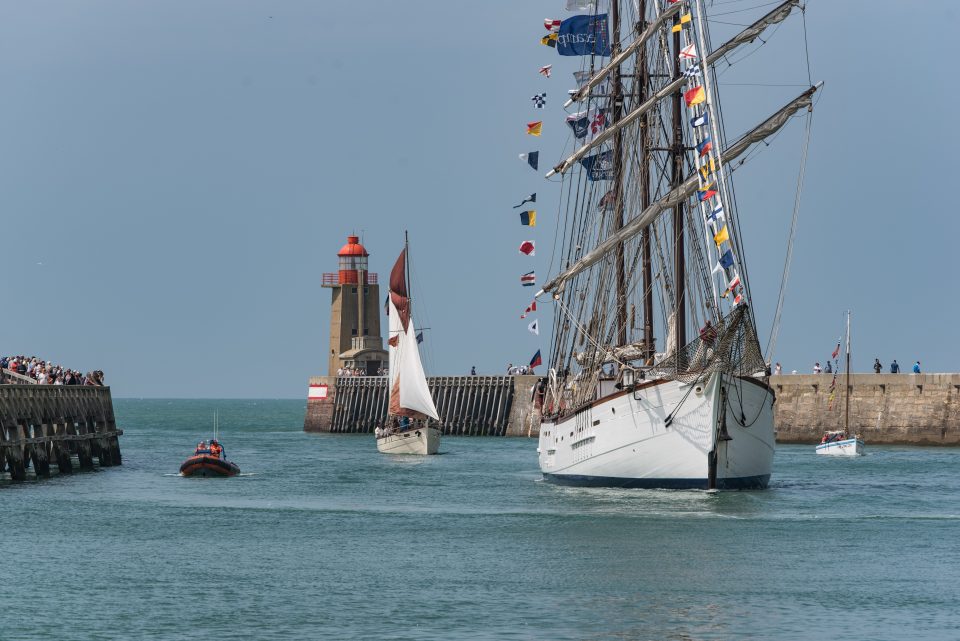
[353, 259]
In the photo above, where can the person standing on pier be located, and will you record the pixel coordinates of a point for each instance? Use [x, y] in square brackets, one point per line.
[778, 370]
[916, 367]
[817, 369]
[877, 367]
[894, 367]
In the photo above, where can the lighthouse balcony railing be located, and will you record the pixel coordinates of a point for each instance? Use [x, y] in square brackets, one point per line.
[331, 280]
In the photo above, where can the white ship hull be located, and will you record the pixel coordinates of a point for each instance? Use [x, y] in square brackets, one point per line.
[623, 440]
[421, 440]
[847, 447]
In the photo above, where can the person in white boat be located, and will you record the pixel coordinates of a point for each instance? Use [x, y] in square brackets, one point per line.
[817, 369]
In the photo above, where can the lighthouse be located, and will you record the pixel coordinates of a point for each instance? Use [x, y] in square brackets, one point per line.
[355, 341]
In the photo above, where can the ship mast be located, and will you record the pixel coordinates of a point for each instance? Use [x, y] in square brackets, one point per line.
[846, 411]
[646, 263]
[676, 178]
[406, 267]
[616, 99]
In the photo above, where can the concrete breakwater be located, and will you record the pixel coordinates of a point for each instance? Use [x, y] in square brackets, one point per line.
[468, 405]
[903, 409]
[42, 425]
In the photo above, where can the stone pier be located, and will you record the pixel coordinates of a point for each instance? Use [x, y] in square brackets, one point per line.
[903, 409]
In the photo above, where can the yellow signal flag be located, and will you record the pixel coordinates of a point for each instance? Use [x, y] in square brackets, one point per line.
[708, 168]
[535, 128]
[722, 236]
[684, 19]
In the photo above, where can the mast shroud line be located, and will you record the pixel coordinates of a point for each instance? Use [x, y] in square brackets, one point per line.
[747, 35]
[682, 192]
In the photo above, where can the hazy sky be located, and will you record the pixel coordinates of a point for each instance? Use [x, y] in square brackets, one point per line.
[176, 176]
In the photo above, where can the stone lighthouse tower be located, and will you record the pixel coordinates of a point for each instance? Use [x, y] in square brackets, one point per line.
[355, 341]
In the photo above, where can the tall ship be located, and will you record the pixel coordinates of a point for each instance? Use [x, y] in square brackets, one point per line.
[651, 243]
[408, 429]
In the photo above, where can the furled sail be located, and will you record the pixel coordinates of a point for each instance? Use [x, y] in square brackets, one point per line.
[682, 192]
[619, 59]
[749, 34]
[409, 393]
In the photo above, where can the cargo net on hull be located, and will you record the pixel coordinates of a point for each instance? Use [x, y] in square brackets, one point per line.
[731, 347]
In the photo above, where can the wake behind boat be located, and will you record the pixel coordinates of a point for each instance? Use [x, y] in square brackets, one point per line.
[653, 235]
[407, 430]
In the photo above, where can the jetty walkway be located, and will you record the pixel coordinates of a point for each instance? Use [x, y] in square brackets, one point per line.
[67, 426]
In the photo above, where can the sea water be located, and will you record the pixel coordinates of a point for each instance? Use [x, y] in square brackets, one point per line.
[322, 537]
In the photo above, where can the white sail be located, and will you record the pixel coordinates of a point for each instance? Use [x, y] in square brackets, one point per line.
[414, 392]
[407, 377]
[395, 328]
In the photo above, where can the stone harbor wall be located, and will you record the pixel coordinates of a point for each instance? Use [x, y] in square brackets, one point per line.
[906, 409]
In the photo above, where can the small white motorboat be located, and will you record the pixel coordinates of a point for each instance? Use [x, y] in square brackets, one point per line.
[837, 443]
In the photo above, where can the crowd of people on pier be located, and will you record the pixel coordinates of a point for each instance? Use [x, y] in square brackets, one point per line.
[47, 373]
[346, 371]
[828, 368]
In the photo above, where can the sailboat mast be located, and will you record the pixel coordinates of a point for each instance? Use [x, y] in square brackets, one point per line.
[616, 99]
[406, 266]
[846, 411]
[676, 178]
[646, 263]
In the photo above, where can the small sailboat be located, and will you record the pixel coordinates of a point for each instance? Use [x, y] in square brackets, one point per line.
[839, 442]
[209, 459]
[408, 429]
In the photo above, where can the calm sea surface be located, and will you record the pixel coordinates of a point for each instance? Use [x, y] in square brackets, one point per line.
[324, 538]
